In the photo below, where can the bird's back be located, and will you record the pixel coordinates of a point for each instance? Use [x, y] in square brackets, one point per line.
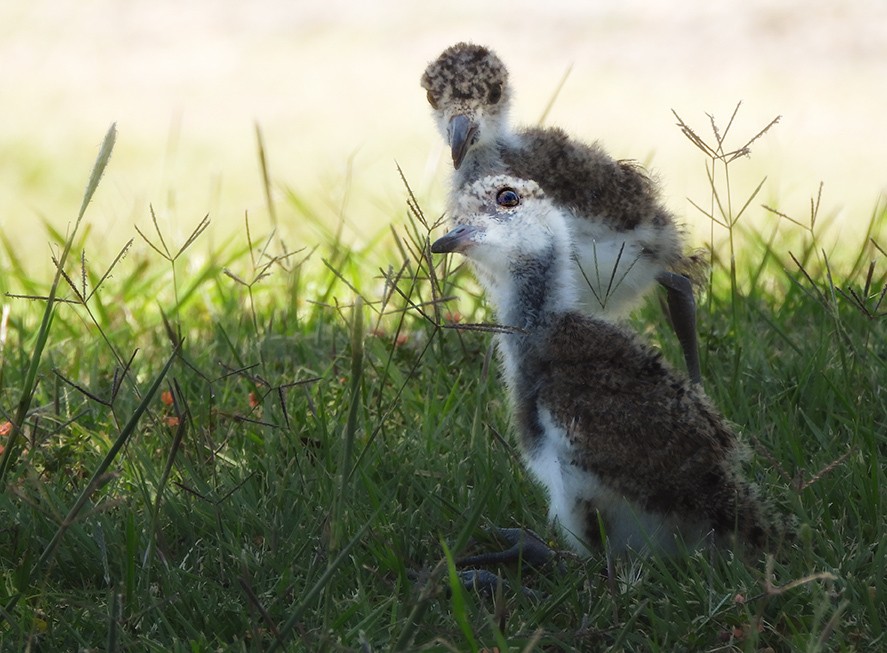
[648, 435]
[584, 177]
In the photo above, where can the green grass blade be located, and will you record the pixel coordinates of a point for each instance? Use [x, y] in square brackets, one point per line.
[357, 332]
[457, 599]
[266, 177]
[349, 435]
[181, 429]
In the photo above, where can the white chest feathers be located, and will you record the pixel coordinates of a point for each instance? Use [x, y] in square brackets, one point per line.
[585, 508]
[611, 272]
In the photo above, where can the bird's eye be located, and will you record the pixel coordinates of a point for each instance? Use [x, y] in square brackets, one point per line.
[507, 197]
[432, 100]
[495, 93]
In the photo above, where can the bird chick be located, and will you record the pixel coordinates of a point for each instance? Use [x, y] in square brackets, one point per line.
[626, 240]
[628, 451]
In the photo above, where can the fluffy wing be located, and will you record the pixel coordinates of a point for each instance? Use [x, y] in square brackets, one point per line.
[649, 434]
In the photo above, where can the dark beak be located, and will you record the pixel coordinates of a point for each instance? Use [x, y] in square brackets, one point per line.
[462, 132]
[455, 241]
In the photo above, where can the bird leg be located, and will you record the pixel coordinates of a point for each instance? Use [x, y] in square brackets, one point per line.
[682, 309]
[525, 546]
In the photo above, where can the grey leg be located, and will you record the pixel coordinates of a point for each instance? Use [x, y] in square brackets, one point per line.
[524, 545]
[682, 308]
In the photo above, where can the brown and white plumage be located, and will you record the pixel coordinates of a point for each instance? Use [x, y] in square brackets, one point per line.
[623, 445]
[625, 238]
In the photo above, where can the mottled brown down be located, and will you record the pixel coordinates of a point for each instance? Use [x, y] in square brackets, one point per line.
[649, 435]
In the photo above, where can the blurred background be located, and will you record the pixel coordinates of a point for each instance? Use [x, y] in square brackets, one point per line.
[334, 88]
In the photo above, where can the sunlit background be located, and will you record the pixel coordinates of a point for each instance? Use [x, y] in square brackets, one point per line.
[334, 88]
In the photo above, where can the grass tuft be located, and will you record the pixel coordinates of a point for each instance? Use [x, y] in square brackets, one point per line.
[27, 393]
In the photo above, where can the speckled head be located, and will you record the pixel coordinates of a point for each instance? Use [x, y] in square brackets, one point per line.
[496, 197]
[519, 244]
[468, 90]
[500, 218]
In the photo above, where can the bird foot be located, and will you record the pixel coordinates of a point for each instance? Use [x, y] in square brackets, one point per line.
[486, 583]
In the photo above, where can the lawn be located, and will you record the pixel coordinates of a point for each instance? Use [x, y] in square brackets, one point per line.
[285, 446]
